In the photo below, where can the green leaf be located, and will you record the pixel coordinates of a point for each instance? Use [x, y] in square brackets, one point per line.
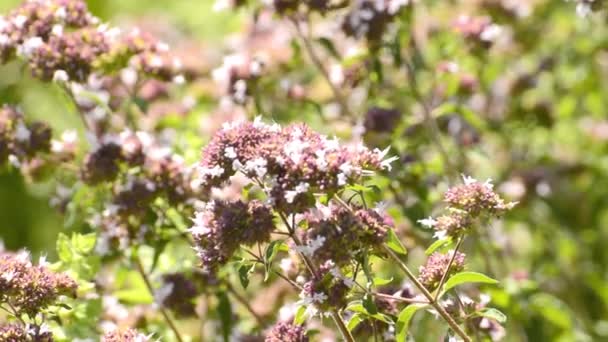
[494, 314]
[224, 310]
[403, 321]
[64, 250]
[354, 321]
[438, 244]
[467, 277]
[245, 271]
[84, 243]
[369, 304]
[300, 316]
[394, 243]
[380, 281]
[271, 252]
[329, 46]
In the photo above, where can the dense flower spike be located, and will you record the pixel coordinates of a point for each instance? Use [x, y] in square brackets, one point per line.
[221, 227]
[436, 265]
[31, 288]
[129, 335]
[325, 291]
[294, 161]
[21, 140]
[286, 332]
[467, 202]
[476, 198]
[337, 233]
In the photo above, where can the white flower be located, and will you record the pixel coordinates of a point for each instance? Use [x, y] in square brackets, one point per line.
[128, 76]
[490, 33]
[301, 188]
[61, 13]
[428, 222]
[156, 61]
[22, 133]
[57, 30]
[60, 76]
[4, 39]
[342, 179]
[257, 165]
[386, 164]
[19, 21]
[468, 180]
[230, 152]
[312, 247]
[179, 79]
[488, 184]
[213, 172]
[29, 46]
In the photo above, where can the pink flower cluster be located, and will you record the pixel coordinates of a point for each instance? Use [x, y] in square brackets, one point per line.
[435, 267]
[61, 40]
[30, 288]
[466, 203]
[291, 163]
[343, 232]
[221, 227]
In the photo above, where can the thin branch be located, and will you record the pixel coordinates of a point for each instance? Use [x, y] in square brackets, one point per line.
[399, 299]
[430, 122]
[142, 272]
[440, 309]
[447, 270]
[245, 304]
[316, 60]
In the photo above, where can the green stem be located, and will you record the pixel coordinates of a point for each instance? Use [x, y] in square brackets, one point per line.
[142, 272]
[444, 314]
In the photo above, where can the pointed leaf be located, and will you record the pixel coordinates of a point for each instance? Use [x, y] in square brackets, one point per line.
[467, 277]
[394, 243]
[403, 321]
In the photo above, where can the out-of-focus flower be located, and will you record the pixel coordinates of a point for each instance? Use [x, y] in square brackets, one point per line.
[128, 335]
[31, 288]
[286, 332]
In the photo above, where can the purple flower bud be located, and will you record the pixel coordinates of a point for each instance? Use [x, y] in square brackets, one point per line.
[286, 332]
[436, 265]
[221, 227]
[31, 288]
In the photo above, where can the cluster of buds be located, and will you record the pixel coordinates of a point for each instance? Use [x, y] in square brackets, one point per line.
[382, 120]
[61, 40]
[369, 19]
[327, 290]
[29, 288]
[178, 293]
[18, 333]
[29, 145]
[237, 74]
[221, 227]
[128, 335]
[480, 32]
[437, 265]
[466, 309]
[291, 163]
[466, 203]
[338, 233]
[286, 332]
